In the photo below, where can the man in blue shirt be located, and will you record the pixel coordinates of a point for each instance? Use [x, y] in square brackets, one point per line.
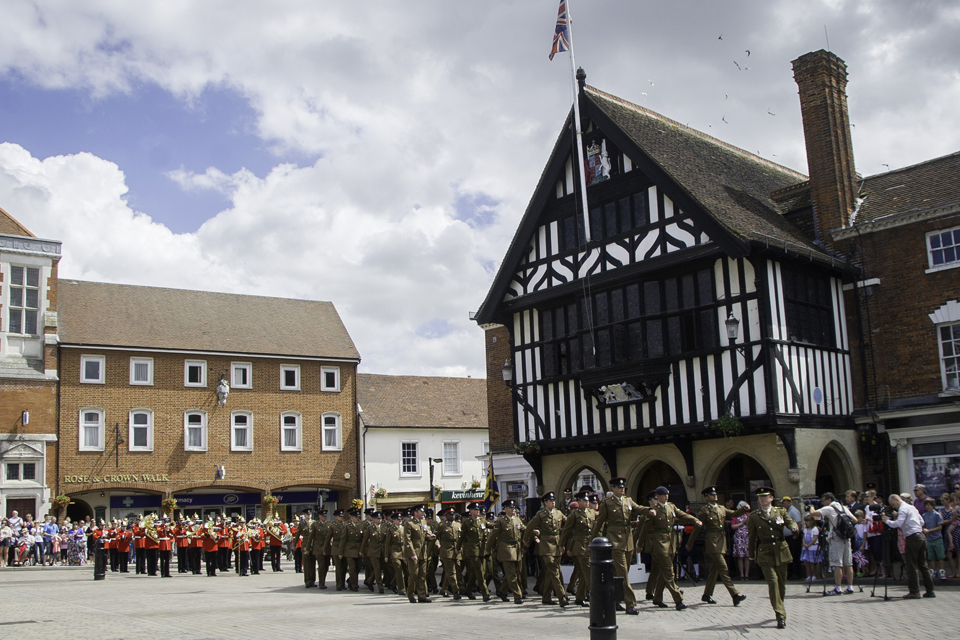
[50, 529]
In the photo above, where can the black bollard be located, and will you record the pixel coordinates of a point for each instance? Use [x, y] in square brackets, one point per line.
[99, 560]
[603, 612]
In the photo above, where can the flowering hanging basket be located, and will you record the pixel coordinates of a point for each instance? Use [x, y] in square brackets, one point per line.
[61, 502]
[380, 493]
[526, 447]
[270, 501]
[357, 503]
[169, 504]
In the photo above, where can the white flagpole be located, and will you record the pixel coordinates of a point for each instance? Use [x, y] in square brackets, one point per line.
[576, 120]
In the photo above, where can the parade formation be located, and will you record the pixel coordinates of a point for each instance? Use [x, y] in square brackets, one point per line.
[401, 552]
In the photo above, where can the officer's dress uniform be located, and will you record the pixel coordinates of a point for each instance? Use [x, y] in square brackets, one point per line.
[306, 531]
[339, 573]
[614, 521]
[165, 549]
[394, 554]
[138, 549]
[319, 534]
[473, 533]
[242, 545]
[124, 538]
[575, 539]
[433, 554]
[768, 548]
[349, 551]
[663, 546]
[417, 536]
[715, 546]
[549, 524]
[210, 549]
[504, 542]
[449, 533]
[180, 536]
[275, 532]
[371, 548]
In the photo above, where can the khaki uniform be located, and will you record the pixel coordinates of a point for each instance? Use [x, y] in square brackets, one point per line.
[433, 556]
[306, 533]
[614, 521]
[339, 566]
[449, 535]
[350, 551]
[770, 550]
[663, 546]
[320, 534]
[641, 529]
[473, 535]
[417, 537]
[394, 558]
[504, 542]
[371, 548]
[575, 538]
[549, 524]
[715, 544]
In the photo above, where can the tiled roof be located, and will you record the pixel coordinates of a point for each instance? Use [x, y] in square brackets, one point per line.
[120, 315]
[934, 183]
[733, 186]
[418, 401]
[10, 227]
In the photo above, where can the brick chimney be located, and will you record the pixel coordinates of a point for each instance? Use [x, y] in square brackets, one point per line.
[822, 79]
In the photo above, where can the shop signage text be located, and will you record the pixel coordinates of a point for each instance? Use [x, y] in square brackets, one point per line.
[120, 477]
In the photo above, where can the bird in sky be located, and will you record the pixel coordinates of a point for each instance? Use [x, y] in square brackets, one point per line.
[883, 164]
[721, 37]
[771, 112]
[724, 118]
[748, 53]
[643, 93]
[650, 81]
[725, 96]
[738, 65]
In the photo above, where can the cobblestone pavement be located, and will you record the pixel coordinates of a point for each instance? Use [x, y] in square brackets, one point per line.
[66, 600]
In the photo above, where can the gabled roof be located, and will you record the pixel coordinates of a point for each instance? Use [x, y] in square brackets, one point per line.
[11, 227]
[725, 188]
[120, 315]
[418, 401]
[930, 184]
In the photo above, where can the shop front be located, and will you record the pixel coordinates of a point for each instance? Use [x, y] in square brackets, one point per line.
[459, 499]
[213, 504]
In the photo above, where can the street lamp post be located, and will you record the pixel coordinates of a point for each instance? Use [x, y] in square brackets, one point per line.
[433, 489]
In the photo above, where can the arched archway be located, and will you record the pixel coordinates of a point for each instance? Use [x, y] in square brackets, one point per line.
[738, 478]
[661, 474]
[831, 472]
[78, 509]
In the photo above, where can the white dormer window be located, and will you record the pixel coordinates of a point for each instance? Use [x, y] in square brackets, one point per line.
[24, 301]
[141, 371]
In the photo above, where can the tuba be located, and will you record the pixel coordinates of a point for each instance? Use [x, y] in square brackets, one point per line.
[150, 528]
[211, 529]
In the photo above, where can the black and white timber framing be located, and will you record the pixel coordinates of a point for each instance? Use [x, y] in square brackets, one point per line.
[622, 341]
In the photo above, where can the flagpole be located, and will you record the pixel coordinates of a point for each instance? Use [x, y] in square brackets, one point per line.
[576, 121]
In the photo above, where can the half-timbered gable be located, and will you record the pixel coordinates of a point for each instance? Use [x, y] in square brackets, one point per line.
[617, 319]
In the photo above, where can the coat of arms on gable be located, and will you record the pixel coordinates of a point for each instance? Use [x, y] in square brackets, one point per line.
[598, 163]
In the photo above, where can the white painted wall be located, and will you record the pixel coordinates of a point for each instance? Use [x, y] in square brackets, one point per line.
[381, 458]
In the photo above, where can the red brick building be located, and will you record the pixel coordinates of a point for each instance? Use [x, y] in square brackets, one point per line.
[28, 369]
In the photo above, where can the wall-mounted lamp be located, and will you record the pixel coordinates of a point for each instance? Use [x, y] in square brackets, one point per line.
[223, 390]
[507, 371]
[25, 418]
[221, 471]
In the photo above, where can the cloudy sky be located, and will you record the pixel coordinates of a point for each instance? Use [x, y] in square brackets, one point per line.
[380, 154]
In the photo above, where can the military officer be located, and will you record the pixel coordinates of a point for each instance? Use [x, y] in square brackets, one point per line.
[641, 528]
[336, 532]
[473, 533]
[448, 533]
[371, 550]
[575, 539]
[321, 546]
[433, 555]
[662, 518]
[504, 542]
[768, 548]
[614, 520]
[306, 531]
[417, 535]
[713, 515]
[490, 568]
[349, 552]
[544, 528]
[394, 553]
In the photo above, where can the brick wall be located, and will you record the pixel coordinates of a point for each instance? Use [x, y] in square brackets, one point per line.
[499, 402]
[39, 397]
[903, 354]
[266, 467]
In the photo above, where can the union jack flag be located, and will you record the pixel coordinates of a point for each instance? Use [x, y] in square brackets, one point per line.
[560, 42]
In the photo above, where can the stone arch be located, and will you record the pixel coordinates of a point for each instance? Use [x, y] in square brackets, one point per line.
[746, 467]
[573, 471]
[78, 509]
[833, 470]
[656, 471]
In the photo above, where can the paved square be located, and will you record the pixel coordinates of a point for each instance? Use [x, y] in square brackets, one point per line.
[56, 601]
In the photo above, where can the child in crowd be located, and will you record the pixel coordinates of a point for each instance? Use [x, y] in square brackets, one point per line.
[952, 541]
[859, 544]
[811, 548]
[933, 529]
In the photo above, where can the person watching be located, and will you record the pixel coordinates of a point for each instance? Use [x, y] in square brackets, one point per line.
[840, 552]
[910, 523]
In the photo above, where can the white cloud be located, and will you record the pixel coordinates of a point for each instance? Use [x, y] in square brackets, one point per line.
[414, 109]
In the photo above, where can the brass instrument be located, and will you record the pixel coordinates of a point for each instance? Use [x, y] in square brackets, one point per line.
[211, 530]
[241, 535]
[150, 528]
